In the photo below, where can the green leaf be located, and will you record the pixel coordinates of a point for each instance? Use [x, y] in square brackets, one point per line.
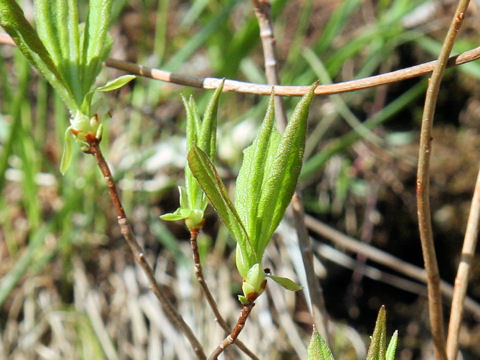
[285, 283]
[175, 216]
[116, 83]
[96, 42]
[378, 344]
[16, 25]
[67, 152]
[207, 176]
[282, 175]
[318, 348]
[392, 347]
[252, 172]
[207, 137]
[195, 195]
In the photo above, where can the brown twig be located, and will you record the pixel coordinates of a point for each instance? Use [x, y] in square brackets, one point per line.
[206, 291]
[280, 90]
[463, 272]
[423, 180]
[230, 339]
[138, 252]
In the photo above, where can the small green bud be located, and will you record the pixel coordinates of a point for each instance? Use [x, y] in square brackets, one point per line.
[254, 284]
[195, 219]
[86, 128]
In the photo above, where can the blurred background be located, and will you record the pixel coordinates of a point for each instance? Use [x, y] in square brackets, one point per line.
[69, 288]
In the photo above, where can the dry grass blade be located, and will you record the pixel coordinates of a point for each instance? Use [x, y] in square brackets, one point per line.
[461, 280]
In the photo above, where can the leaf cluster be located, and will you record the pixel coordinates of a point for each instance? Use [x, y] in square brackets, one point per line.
[201, 133]
[264, 187]
[69, 55]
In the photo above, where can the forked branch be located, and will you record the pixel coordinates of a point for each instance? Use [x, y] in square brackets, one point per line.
[139, 253]
[208, 295]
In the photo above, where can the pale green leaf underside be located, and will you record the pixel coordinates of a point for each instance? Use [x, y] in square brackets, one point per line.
[285, 283]
[116, 83]
[318, 348]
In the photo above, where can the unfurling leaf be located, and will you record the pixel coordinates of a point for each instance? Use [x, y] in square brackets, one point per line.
[116, 83]
[378, 344]
[285, 283]
[318, 348]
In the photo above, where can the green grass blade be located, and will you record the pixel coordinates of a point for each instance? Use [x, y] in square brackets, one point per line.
[317, 161]
[13, 276]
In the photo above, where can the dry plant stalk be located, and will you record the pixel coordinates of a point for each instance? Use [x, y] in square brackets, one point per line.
[208, 295]
[319, 312]
[138, 252]
[423, 175]
[463, 272]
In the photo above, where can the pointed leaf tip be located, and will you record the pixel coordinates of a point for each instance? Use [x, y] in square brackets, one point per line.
[318, 348]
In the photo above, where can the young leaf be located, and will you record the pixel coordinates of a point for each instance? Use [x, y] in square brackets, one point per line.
[16, 25]
[67, 152]
[116, 83]
[207, 176]
[96, 42]
[285, 283]
[207, 138]
[282, 175]
[378, 344]
[318, 348]
[392, 347]
[252, 173]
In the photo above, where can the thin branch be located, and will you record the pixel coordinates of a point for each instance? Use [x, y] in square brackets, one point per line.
[206, 291]
[139, 253]
[463, 272]
[423, 184]
[382, 257]
[319, 311]
[281, 90]
[230, 339]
